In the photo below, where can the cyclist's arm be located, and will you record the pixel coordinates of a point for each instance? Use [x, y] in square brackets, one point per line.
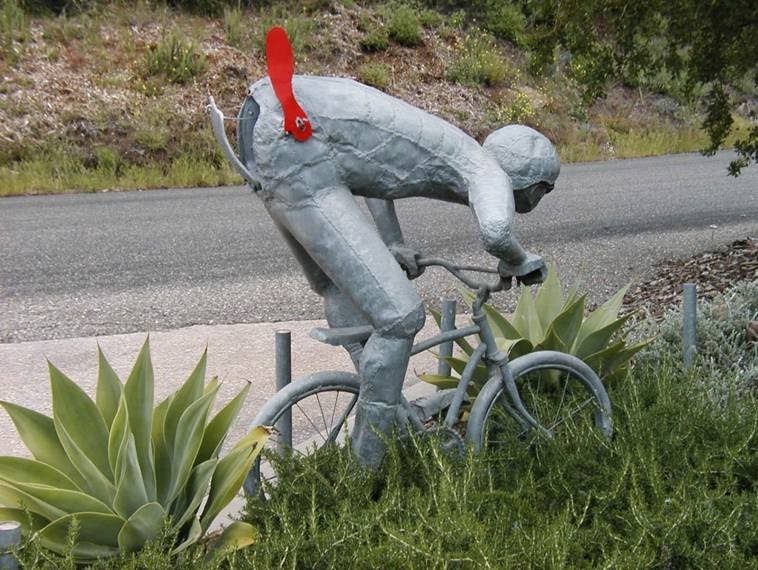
[491, 199]
[385, 218]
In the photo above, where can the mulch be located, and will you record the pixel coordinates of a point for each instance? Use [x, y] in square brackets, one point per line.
[713, 272]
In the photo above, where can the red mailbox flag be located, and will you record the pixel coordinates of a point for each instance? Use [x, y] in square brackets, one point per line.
[281, 66]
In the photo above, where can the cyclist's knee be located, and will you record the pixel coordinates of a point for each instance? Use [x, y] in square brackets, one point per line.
[403, 324]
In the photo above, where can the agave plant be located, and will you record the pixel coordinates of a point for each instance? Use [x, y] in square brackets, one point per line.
[115, 472]
[548, 321]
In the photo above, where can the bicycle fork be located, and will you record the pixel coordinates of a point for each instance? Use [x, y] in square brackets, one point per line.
[498, 363]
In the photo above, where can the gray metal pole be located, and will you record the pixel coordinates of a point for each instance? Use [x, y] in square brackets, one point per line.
[447, 324]
[689, 328]
[283, 378]
[10, 538]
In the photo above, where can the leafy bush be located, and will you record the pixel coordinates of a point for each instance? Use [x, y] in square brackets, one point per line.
[550, 322]
[114, 472]
[375, 74]
[13, 28]
[505, 20]
[177, 59]
[404, 26]
[377, 39]
[676, 488]
[726, 361]
[479, 63]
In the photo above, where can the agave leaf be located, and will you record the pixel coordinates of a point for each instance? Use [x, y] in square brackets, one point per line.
[144, 525]
[109, 389]
[218, 427]
[30, 522]
[464, 345]
[74, 411]
[16, 498]
[64, 500]
[237, 535]
[97, 535]
[459, 364]
[130, 488]
[118, 435]
[442, 382]
[37, 431]
[138, 392]
[183, 398]
[193, 535]
[32, 471]
[567, 324]
[525, 318]
[599, 339]
[231, 471]
[514, 347]
[189, 437]
[194, 492]
[615, 357]
[601, 317]
[552, 342]
[94, 481]
[162, 456]
[549, 299]
[212, 384]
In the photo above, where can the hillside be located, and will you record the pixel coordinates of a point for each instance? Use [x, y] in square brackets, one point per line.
[113, 97]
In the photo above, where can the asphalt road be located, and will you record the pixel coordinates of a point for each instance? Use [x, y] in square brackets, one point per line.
[107, 263]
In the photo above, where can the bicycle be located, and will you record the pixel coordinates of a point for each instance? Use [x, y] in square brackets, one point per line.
[497, 413]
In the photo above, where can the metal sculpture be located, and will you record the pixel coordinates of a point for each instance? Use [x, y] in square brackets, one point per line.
[365, 143]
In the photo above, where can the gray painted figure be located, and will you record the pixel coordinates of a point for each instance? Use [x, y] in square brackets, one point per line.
[366, 143]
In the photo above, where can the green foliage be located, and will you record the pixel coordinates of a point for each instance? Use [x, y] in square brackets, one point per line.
[404, 26]
[233, 31]
[13, 30]
[108, 475]
[177, 59]
[676, 488]
[505, 20]
[479, 62]
[726, 362]
[376, 39]
[518, 110]
[375, 74]
[709, 45]
[548, 321]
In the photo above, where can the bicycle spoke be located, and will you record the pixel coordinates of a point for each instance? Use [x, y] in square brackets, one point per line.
[307, 417]
[563, 397]
[579, 408]
[323, 417]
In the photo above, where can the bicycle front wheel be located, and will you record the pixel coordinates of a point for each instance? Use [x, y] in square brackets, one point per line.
[308, 414]
[560, 391]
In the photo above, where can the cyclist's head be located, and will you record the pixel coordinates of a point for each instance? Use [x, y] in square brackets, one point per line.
[529, 158]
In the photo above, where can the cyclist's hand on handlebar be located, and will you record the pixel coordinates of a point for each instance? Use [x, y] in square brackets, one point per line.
[530, 272]
[406, 257]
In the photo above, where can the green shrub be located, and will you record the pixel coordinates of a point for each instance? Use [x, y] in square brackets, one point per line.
[479, 63]
[518, 110]
[13, 29]
[505, 21]
[233, 31]
[725, 360]
[548, 321]
[375, 74]
[404, 26]
[377, 39]
[177, 59]
[109, 475]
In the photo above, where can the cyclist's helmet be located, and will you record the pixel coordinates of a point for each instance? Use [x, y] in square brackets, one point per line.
[529, 158]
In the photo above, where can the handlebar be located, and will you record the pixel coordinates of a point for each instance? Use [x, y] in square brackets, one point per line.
[482, 288]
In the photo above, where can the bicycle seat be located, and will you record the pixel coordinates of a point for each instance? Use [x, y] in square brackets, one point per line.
[342, 336]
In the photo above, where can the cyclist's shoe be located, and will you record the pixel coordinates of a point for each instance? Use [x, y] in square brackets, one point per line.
[530, 272]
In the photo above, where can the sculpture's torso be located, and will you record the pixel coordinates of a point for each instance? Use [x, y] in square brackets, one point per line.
[375, 144]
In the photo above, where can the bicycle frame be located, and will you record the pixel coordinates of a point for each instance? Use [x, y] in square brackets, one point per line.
[487, 351]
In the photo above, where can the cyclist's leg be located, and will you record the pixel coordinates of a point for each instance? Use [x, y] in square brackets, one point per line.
[345, 245]
[340, 311]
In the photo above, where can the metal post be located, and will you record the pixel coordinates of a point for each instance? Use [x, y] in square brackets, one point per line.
[447, 324]
[283, 378]
[689, 316]
[10, 538]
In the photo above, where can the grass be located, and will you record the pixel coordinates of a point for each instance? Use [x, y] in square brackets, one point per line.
[479, 62]
[376, 74]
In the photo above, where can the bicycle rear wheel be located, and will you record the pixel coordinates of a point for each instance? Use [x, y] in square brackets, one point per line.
[561, 392]
[321, 406]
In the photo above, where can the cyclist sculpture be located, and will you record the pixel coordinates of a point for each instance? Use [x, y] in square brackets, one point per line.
[358, 141]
